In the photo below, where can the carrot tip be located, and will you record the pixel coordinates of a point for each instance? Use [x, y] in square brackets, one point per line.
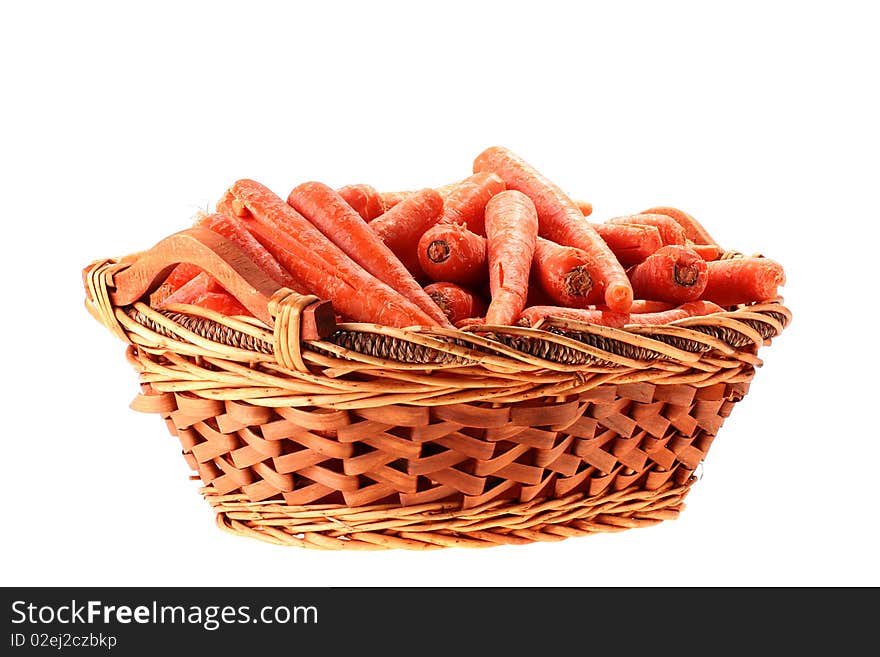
[619, 297]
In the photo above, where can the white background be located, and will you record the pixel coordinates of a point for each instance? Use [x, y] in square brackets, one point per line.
[121, 121]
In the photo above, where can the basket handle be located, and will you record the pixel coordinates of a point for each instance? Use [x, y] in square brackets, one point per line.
[144, 272]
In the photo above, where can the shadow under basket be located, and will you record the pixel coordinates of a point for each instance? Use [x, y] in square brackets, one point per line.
[372, 437]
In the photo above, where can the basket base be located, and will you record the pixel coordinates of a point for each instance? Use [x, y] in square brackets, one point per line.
[444, 525]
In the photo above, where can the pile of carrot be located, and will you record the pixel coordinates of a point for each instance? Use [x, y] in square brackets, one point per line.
[503, 245]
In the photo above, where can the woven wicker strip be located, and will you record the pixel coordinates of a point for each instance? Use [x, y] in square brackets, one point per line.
[431, 526]
[376, 438]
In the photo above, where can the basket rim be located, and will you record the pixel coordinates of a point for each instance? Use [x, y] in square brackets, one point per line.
[192, 349]
[739, 323]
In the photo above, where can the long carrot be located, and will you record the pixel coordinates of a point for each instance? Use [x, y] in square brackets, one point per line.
[511, 233]
[321, 265]
[364, 199]
[336, 219]
[743, 280]
[671, 231]
[696, 308]
[466, 201]
[630, 243]
[401, 226]
[563, 272]
[561, 221]
[693, 229]
[673, 273]
[456, 301]
[533, 315]
[234, 229]
[451, 252]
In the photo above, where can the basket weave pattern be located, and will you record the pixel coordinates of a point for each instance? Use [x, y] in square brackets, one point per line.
[387, 438]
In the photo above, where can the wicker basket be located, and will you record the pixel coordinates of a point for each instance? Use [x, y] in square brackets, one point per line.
[374, 437]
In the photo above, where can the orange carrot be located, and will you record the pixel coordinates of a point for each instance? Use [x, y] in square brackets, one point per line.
[693, 230]
[336, 219]
[511, 233]
[450, 252]
[696, 308]
[673, 273]
[561, 221]
[630, 243]
[233, 229]
[456, 301]
[585, 207]
[671, 231]
[322, 266]
[743, 280]
[563, 272]
[532, 315]
[364, 199]
[401, 226]
[466, 201]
